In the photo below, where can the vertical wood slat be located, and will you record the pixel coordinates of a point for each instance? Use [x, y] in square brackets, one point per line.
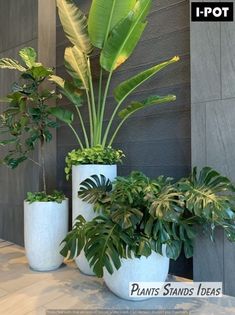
[47, 55]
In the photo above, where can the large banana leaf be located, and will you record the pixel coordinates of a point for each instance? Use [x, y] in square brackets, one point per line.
[76, 65]
[125, 36]
[7, 63]
[127, 87]
[152, 100]
[68, 89]
[74, 23]
[104, 15]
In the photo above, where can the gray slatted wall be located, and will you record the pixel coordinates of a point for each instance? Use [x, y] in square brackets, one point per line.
[213, 133]
[18, 28]
[156, 141]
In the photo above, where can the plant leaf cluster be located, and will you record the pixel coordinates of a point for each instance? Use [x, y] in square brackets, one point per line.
[26, 120]
[55, 196]
[139, 215]
[94, 155]
[112, 31]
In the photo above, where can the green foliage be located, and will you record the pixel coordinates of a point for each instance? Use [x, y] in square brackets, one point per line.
[27, 119]
[55, 196]
[75, 239]
[95, 155]
[140, 215]
[210, 196]
[98, 188]
[115, 28]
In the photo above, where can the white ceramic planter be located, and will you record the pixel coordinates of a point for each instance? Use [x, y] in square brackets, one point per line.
[79, 174]
[151, 269]
[45, 226]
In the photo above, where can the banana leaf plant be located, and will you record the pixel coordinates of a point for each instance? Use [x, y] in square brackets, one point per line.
[113, 28]
[26, 122]
[136, 214]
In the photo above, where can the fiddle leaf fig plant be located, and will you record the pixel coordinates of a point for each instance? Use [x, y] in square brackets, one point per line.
[113, 30]
[138, 215]
[27, 120]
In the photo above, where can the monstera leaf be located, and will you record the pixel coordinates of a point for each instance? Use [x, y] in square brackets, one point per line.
[125, 36]
[94, 188]
[106, 244]
[210, 197]
[103, 16]
[75, 239]
[126, 217]
[74, 23]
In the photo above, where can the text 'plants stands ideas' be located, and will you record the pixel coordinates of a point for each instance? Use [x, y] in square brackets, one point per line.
[25, 125]
[112, 30]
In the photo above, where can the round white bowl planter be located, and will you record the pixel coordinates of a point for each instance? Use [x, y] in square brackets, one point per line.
[79, 174]
[45, 226]
[151, 269]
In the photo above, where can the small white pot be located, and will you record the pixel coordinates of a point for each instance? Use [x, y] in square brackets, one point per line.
[45, 226]
[79, 174]
[151, 269]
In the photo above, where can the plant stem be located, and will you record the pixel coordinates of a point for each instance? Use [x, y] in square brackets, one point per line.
[77, 137]
[42, 152]
[118, 128]
[83, 127]
[36, 163]
[103, 106]
[100, 92]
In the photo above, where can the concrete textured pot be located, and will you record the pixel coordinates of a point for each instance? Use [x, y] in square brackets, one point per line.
[45, 226]
[79, 174]
[151, 269]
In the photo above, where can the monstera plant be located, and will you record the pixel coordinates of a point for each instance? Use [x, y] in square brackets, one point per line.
[112, 30]
[142, 220]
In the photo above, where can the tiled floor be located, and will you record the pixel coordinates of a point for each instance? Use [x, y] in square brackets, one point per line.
[23, 291]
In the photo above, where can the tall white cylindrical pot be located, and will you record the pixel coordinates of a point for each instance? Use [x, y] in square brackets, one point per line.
[45, 226]
[151, 269]
[79, 174]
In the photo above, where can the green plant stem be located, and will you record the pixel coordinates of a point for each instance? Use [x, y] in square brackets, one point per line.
[93, 105]
[100, 93]
[117, 129]
[103, 106]
[77, 137]
[90, 117]
[83, 127]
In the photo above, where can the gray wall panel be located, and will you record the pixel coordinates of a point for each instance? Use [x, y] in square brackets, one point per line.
[213, 133]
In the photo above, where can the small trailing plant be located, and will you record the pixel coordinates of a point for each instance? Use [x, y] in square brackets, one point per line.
[138, 215]
[56, 196]
[27, 120]
[112, 30]
[94, 155]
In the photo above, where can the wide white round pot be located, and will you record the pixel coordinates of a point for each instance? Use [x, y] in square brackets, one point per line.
[79, 174]
[45, 226]
[151, 269]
